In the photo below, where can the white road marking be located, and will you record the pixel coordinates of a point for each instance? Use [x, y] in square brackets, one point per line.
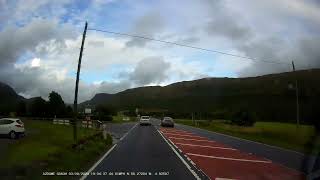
[185, 135]
[191, 139]
[98, 162]
[128, 132]
[225, 158]
[301, 154]
[185, 132]
[194, 164]
[213, 147]
[105, 155]
[183, 161]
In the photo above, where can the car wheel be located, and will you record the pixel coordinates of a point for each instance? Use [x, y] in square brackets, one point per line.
[12, 135]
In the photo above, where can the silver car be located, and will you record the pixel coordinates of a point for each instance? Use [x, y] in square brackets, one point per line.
[145, 120]
[167, 122]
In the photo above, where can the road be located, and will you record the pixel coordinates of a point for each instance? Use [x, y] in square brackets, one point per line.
[143, 150]
[288, 158]
[185, 153]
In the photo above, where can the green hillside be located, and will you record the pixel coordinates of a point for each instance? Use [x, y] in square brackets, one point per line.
[269, 96]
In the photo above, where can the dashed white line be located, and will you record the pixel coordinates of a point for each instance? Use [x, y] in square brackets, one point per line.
[191, 139]
[128, 132]
[213, 147]
[225, 158]
[183, 161]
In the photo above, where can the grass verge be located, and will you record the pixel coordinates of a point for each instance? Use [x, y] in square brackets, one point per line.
[283, 135]
[49, 147]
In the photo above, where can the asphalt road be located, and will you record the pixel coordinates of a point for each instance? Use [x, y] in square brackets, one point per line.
[118, 130]
[143, 150]
[288, 158]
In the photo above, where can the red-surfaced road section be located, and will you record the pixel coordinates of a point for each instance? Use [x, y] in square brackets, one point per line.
[220, 161]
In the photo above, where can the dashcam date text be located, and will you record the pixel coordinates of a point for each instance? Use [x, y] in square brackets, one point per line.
[103, 173]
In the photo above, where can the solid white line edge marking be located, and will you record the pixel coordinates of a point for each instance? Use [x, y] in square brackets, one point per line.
[105, 155]
[213, 147]
[194, 164]
[232, 159]
[98, 162]
[184, 162]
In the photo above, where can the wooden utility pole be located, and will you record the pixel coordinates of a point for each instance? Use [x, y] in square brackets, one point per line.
[297, 97]
[75, 104]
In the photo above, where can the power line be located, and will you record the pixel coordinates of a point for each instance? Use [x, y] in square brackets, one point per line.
[188, 46]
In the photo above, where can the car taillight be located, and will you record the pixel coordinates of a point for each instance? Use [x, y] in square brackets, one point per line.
[19, 125]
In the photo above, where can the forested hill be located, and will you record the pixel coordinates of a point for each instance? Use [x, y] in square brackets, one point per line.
[271, 97]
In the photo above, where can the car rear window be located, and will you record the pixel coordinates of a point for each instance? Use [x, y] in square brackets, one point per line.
[6, 121]
[19, 121]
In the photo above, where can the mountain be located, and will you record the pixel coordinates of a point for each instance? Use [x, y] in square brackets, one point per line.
[101, 98]
[7, 94]
[9, 99]
[270, 96]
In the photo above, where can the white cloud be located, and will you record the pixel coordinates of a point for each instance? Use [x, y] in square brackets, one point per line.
[275, 30]
[35, 62]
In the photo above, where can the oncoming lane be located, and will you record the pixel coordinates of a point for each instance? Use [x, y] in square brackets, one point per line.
[221, 161]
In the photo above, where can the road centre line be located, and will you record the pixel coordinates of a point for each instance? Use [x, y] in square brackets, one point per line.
[232, 159]
[213, 147]
[128, 132]
[183, 161]
[192, 139]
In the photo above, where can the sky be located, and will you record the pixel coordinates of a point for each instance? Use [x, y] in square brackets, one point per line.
[40, 42]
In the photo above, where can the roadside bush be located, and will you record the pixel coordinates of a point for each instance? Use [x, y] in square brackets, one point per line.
[102, 117]
[243, 118]
[204, 123]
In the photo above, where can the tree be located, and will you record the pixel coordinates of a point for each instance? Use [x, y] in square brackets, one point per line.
[104, 113]
[243, 118]
[106, 110]
[69, 111]
[56, 104]
[21, 108]
[39, 107]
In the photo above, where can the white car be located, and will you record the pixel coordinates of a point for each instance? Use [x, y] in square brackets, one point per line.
[145, 120]
[12, 127]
